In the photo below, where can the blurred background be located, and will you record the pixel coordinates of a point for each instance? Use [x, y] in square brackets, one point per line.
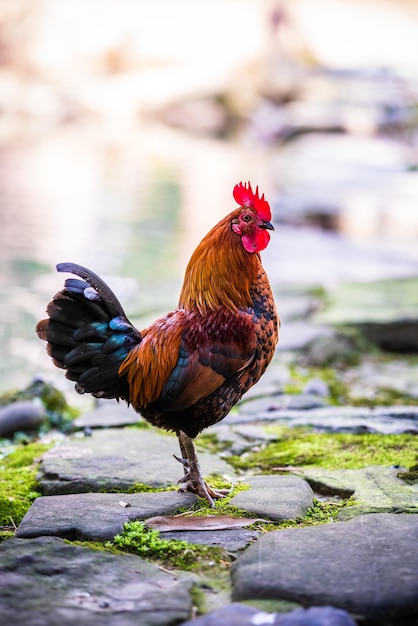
[125, 124]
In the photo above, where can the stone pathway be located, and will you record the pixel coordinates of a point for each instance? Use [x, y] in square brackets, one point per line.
[118, 459]
[367, 566]
[47, 581]
[363, 566]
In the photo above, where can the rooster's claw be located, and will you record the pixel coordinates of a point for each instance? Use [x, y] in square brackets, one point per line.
[194, 482]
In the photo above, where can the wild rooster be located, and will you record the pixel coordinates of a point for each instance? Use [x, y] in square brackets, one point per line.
[189, 368]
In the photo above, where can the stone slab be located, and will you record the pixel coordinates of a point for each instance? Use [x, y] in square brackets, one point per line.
[47, 582]
[117, 459]
[367, 566]
[230, 540]
[385, 419]
[237, 614]
[96, 516]
[386, 311]
[275, 497]
[375, 489]
[24, 416]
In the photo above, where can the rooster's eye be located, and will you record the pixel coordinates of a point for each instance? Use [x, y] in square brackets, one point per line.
[246, 217]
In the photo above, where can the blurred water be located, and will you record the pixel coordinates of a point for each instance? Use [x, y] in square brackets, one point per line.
[132, 207]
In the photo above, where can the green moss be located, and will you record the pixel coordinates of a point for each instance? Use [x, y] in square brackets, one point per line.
[18, 485]
[139, 488]
[6, 534]
[321, 512]
[377, 302]
[141, 423]
[338, 391]
[410, 476]
[272, 606]
[199, 599]
[301, 447]
[148, 544]
[97, 545]
[209, 442]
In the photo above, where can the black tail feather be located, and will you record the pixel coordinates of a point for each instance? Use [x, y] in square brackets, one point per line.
[107, 296]
[88, 334]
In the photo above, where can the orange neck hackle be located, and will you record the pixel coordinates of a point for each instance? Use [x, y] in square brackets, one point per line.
[220, 271]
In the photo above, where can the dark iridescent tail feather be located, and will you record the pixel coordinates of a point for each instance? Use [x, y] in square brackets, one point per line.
[88, 334]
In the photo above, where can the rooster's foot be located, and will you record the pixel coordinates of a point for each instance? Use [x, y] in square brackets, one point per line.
[194, 482]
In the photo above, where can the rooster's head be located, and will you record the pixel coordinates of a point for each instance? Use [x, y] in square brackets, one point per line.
[252, 221]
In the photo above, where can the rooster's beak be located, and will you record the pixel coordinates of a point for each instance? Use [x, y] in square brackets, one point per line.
[266, 225]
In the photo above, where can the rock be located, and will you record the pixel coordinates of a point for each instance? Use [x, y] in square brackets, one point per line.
[275, 497]
[366, 566]
[230, 540]
[254, 432]
[233, 615]
[300, 334]
[385, 311]
[316, 387]
[47, 581]
[304, 402]
[242, 615]
[384, 419]
[257, 408]
[229, 438]
[96, 516]
[117, 459]
[316, 616]
[335, 348]
[23, 416]
[374, 489]
[397, 336]
[108, 415]
[373, 379]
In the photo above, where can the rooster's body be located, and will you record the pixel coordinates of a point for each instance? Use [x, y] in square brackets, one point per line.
[189, 368]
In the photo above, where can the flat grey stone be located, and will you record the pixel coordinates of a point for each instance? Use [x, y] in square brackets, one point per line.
[384, 419]
[96, 516]
[367, 566]
[375, 489]
[108, 415]
[230, 540]
[386, 311]
[316, 387]
[275, 497]
[254, 432]
[117, 459]
[242, 615]
[230, 438]
[47, 582]
[273, 404]
[369, 378]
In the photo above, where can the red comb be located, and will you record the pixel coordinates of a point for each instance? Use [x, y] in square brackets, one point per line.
[244, 195]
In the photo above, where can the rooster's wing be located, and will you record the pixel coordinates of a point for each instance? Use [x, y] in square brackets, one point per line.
[186, 356]
[212, 350]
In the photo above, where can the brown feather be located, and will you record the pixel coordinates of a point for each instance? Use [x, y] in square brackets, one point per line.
[220, 272]
[148, 366]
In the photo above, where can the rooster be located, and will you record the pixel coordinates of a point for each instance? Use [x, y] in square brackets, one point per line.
[189, 368]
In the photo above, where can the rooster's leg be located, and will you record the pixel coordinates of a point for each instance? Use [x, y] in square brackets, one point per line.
[193, 480]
